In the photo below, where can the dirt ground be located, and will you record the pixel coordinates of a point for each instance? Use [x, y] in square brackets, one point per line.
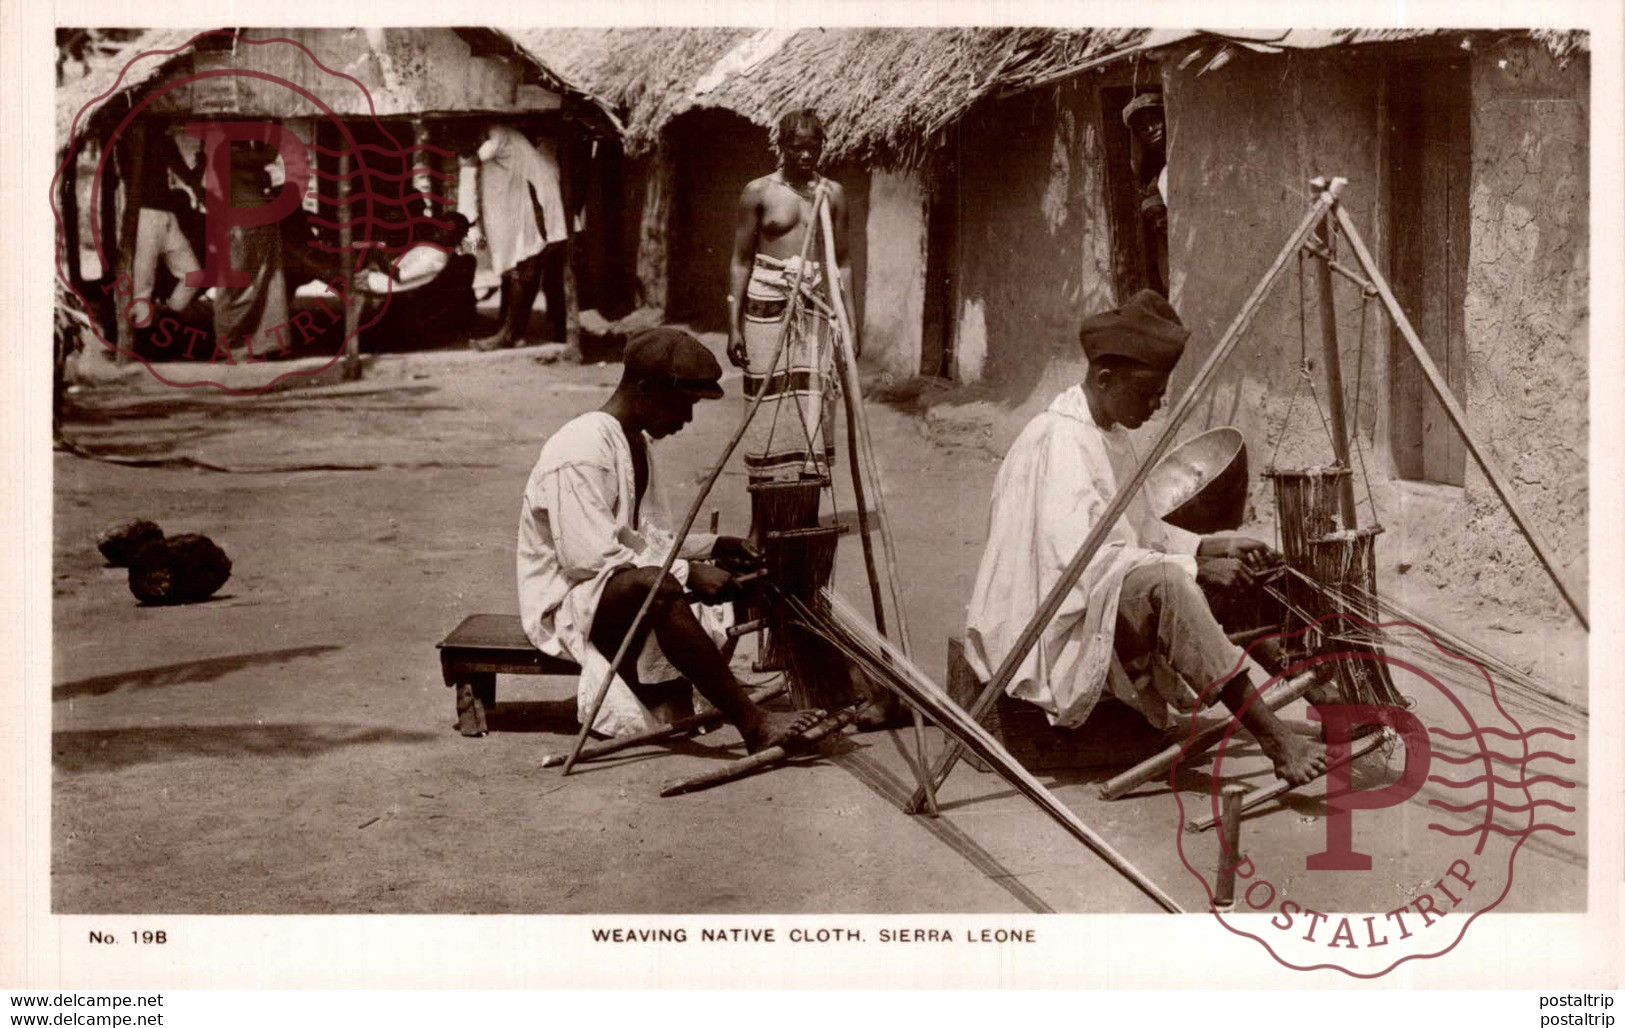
[288, 746]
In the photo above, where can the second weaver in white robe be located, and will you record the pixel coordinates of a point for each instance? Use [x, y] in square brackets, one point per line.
[1056, 481]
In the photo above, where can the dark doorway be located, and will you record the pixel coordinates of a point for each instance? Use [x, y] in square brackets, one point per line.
[715, 154]
[1430, 175]
[941, 260]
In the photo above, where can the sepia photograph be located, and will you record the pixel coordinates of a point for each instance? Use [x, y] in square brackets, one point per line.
[796, 483]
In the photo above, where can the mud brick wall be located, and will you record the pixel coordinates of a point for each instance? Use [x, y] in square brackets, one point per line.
[1527, 314]
[1245, 138]
[1034, 244]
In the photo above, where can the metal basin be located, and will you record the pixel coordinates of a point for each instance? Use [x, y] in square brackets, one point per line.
[1201, 485]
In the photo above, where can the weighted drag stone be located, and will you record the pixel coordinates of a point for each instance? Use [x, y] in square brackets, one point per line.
[180, 569]
[120, 545]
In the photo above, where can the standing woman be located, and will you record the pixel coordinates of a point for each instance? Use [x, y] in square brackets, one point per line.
[792, 435]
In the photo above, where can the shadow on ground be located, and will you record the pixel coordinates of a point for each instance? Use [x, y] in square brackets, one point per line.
[113, 749]
[180, 674]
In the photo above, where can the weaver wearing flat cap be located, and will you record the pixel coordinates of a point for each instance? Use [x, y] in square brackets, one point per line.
[594, 531]
[1136, 625]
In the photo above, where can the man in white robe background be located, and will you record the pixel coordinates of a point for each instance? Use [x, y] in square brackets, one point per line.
[593, 533]
[1136, 622]
[522, 217]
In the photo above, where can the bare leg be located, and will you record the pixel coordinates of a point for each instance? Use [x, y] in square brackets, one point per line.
[519, 285]
[181, 261]
[1162, 607]
[527, 283]
[691, 652]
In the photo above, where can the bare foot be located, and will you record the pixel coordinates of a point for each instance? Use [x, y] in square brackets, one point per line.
[1297, 759]
[781, 729]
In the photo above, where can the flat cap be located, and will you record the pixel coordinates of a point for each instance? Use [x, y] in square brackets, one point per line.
[675, 358]
[1146, 330]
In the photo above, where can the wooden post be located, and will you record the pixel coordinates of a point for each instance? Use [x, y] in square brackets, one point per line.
[1224, 892]
[572, 297]
[107, 201]
[70, 219]
[1458, 417]
[135, 150]
[1114, 510]
[659, 181]
[421, 157]
[352, 308]
[857, 419]
[1333, 360]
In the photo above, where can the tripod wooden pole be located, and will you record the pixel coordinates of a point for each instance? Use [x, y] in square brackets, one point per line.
[1332, 357]
[694, 508]
[1458, 417]
[859, 420]
[1114, 510]
[846, 628]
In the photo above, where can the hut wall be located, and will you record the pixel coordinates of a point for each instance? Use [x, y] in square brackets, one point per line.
[648, 191]
[1244, 141]
[1527, 311]
[1034, 254]
[895, 279]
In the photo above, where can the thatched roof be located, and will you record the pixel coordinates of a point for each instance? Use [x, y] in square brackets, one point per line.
[111, 72]
[403, 72]
[882, 93]
[1561, 42]
[646, 75]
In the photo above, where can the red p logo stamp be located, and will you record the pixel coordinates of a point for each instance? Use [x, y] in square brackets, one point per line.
[1342, 799]
[220, 217]
[263, 269]
[1425, 811]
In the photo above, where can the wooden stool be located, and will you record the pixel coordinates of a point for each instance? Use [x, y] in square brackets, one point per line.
[1114, 734]
[479, 649]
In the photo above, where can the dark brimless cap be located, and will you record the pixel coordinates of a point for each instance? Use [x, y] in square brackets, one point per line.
[673, 358]
[1146, 330]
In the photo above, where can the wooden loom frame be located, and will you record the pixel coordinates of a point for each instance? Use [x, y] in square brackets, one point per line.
[858, 438]
[1327, 217]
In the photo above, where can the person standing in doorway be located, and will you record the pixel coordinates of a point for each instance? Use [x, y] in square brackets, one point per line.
[521, 214]
[1145, 121]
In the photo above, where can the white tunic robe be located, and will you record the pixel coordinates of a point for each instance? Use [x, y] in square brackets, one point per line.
[575, 528]
[511, 171]
[1056, 481]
